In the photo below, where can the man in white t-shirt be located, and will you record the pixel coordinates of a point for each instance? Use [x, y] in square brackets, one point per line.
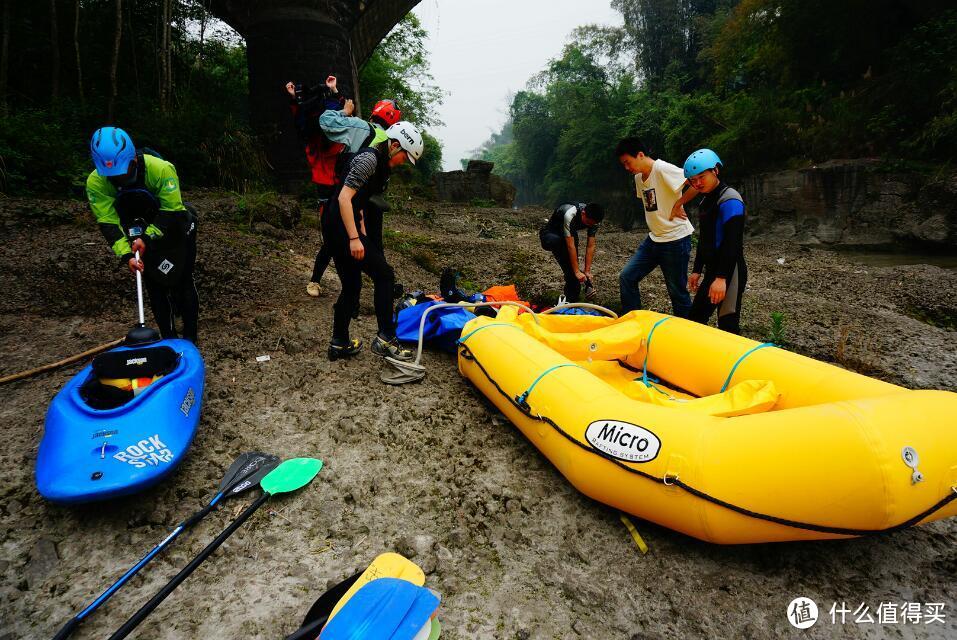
[658, 185]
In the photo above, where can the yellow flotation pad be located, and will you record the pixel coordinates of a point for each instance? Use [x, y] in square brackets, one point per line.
[136, 385]
[715, 435]
[749, 396]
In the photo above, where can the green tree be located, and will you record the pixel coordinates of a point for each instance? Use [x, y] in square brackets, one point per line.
[399, 69]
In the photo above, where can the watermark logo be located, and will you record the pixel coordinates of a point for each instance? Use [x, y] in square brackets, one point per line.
[909, 613]
[802, 613]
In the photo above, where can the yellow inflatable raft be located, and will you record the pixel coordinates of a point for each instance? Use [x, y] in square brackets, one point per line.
[715, 435]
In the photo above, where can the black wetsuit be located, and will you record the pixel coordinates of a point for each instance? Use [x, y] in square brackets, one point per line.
[169, 259]
[720, 254]
[368, 174]
[565, 222]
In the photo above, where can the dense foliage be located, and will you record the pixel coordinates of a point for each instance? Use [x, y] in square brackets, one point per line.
[181, 90]
[399, 69]
[766, 83]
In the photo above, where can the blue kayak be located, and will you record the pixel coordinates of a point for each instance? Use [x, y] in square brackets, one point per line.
[122, 424]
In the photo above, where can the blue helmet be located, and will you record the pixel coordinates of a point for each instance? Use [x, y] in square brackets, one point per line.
[112, 151]
[701, 160]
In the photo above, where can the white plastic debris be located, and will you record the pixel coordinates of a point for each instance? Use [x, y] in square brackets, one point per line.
[263, 358]
[780, 261]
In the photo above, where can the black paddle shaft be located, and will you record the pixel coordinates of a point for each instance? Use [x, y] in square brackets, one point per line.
[155, 601]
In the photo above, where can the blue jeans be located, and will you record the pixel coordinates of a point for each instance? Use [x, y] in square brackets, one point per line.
[672, 257]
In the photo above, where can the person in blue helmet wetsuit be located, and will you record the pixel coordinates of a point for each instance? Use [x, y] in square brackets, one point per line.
[135, 197]
[720, 274]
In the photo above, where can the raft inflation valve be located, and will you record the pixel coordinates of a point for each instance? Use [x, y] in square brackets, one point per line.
[909, 455]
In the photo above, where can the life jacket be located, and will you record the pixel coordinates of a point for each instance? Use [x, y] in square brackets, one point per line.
[328, 161]
[323, 157]
[135, 204]
[551, 235]
[138, 207]
[333, 226]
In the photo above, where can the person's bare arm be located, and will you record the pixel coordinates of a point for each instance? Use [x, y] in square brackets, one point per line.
[573, 256]
[678, 211]
[348, 220]
[589, 255]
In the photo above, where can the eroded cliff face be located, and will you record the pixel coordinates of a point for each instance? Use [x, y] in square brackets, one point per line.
[475, 183]
[854, 203]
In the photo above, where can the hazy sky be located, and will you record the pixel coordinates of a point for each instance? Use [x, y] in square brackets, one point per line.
[484, 50]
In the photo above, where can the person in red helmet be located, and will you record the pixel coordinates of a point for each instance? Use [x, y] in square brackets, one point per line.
[331, 139]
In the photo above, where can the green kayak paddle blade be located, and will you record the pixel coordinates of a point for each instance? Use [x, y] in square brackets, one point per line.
[291, 475]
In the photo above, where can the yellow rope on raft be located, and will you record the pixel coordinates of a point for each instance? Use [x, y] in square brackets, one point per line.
[634, 534]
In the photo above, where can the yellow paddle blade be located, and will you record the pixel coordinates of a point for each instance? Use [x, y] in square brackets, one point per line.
[386, 565]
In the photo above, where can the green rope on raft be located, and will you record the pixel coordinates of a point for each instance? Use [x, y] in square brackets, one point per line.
[522, 399]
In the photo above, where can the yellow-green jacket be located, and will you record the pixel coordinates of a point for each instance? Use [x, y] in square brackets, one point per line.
[158, 177]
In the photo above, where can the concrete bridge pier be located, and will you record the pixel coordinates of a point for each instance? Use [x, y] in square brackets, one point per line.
[303, 41]
[302, 51]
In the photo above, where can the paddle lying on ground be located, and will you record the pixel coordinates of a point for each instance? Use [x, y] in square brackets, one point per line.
[319, 612]
[386, 565]
[244, 473]
[387, 609]
[287, 477]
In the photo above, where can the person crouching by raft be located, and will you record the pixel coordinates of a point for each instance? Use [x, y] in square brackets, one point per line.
[354, 253]
[720, 274]
[136, 199]
[560, 236]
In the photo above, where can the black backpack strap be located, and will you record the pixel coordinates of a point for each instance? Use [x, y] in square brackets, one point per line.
[369, 138]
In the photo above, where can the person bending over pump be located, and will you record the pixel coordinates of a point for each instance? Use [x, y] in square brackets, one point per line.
[720, 255]
[345, 232]
[560, 236]
[137, 203]
[332, 135]
[658, 185]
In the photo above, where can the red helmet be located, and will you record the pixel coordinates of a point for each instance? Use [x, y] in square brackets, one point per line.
[387, 111]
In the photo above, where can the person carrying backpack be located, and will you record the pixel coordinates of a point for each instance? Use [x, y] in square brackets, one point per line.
[332, 136]
[136, 199]
[346, 234]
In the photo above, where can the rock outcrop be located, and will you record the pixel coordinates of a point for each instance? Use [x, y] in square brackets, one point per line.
[854, 203]
[477, 182]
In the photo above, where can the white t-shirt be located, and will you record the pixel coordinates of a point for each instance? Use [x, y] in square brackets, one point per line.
[658, 194]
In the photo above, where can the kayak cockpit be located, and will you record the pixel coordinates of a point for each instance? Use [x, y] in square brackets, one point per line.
[117, 377]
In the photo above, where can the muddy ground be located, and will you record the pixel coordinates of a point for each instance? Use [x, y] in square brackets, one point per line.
[430, 470]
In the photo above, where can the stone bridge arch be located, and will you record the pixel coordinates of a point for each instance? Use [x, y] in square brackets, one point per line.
[303, 40]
